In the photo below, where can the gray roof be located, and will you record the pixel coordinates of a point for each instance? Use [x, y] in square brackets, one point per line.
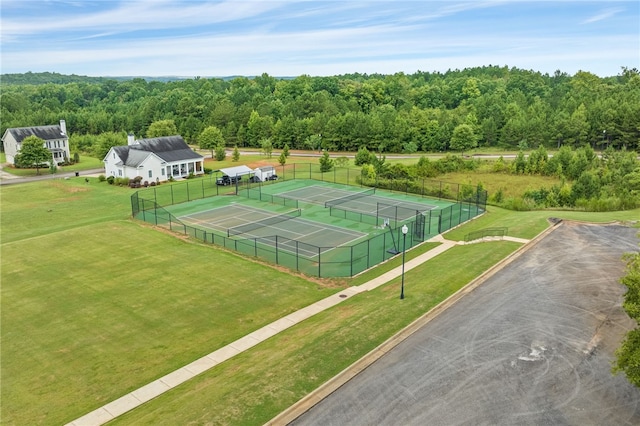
[168, 148]
[45, 133]
[236, 171]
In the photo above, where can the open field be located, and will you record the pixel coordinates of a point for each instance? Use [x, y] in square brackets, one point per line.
[95, 305]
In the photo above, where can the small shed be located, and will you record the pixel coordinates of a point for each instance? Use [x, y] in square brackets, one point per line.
[265, 173]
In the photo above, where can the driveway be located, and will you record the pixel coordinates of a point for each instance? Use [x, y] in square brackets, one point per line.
[533, 345]
[10, 179]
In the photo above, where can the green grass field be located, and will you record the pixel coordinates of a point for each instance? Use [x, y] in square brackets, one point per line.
[95, 304]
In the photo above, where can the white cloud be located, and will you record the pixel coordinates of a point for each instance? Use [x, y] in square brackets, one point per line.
[314, 37]
[605, 14]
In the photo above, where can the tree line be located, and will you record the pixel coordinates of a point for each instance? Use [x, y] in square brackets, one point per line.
[422, 112]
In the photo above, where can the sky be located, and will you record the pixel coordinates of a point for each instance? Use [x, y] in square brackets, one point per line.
[289, 38]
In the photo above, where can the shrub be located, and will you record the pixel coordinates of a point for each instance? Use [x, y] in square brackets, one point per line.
[122, 181]
[111, 180]
[102, 178]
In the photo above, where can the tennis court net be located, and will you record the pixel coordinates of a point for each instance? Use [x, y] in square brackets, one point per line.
[252, 226]
[350, 197]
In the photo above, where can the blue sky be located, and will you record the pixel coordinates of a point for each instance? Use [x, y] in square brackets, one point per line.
[289, 38]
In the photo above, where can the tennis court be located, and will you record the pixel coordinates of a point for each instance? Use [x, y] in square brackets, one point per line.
[284, 230]
[319, 227]
[359, 201]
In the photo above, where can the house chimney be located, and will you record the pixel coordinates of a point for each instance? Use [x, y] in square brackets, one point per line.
[131, 139]
[63, 127]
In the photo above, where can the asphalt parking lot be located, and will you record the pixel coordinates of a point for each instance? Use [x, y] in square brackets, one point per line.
[532, 345]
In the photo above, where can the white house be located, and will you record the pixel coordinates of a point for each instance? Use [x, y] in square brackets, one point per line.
[55, 139]
[153, 159]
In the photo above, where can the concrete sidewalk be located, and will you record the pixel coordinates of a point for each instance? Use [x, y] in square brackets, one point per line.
[138, 397]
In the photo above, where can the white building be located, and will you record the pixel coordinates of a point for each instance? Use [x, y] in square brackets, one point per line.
[153, 159]
[55, 139]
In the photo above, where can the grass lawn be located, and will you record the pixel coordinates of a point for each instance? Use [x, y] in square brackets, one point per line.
[95, 305]
[511, 185]
[86, 163]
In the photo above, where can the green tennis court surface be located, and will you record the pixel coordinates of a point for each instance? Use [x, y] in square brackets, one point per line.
[320, 228]
[248, 222]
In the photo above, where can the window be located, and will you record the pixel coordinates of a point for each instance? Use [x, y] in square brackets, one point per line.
[120, 172]
[163, 171]
[150, 173]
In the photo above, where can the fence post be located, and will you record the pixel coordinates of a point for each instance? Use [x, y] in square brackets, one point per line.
[351, 272]
[319, 253]
[172, 195]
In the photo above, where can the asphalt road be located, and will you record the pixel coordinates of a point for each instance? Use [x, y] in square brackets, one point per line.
[533, 345]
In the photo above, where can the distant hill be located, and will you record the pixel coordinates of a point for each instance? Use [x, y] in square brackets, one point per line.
[56, 78]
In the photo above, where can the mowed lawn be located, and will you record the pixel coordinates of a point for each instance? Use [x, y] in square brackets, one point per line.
[95, 305]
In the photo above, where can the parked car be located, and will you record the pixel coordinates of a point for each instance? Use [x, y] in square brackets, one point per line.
[228, 180]
[272, 177]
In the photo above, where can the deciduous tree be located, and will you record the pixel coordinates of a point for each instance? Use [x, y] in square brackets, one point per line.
[463, 138]
[628, 355]
[162, 128]
[210, 138]
[33, 153]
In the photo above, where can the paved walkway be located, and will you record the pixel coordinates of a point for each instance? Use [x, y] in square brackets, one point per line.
[146, 393]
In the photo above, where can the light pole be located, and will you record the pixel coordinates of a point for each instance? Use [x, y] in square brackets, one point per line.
[604, 135]
[404, 246]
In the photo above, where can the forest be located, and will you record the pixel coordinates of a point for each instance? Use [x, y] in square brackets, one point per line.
[491, 106]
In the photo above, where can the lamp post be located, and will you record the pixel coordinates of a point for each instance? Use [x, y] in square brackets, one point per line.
[604, 135]
[404, 246]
